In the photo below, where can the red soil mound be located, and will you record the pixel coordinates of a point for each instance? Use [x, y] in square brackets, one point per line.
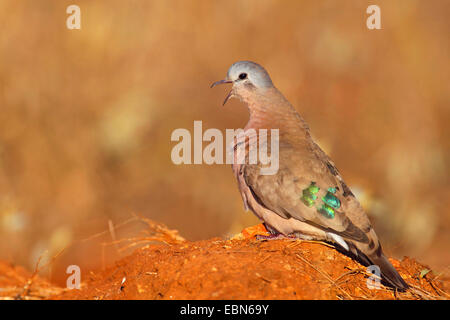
[230, 269]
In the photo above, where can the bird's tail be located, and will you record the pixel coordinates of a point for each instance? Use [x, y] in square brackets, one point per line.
[388, 272]
[376, 257]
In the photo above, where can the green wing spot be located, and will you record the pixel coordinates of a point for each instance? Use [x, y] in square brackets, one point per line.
[313, 188]
[309, 194]
[326, 211]
[308, 201]
[331, 200]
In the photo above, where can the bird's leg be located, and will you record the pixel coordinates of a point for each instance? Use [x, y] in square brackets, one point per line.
[278, 236]
[299, 237]
[265, 232]
[273, 234]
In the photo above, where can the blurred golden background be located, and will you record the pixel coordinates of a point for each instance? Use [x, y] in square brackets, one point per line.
[87, 115]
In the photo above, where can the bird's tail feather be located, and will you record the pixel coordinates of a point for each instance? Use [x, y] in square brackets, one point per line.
[388, 272]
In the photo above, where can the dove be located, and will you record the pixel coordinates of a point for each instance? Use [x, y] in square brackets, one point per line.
[307, 197]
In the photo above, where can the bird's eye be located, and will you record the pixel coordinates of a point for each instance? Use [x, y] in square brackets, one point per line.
[243, 76]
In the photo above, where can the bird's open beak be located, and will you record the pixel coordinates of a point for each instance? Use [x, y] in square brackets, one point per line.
[220, 82]
[229, 95]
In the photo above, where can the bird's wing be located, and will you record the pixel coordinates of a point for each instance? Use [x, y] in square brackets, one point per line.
[308, 187]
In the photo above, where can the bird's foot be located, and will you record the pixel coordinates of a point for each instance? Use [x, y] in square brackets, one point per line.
[263, 232]
[278, 236]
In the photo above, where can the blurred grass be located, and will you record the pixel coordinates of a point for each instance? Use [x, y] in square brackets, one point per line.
[86, 115]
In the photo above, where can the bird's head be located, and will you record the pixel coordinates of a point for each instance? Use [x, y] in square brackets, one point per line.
[246, 77]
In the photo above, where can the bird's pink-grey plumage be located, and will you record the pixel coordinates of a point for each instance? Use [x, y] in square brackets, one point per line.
[307, 196]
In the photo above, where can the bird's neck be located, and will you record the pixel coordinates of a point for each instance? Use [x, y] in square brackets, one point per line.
[271, 110]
